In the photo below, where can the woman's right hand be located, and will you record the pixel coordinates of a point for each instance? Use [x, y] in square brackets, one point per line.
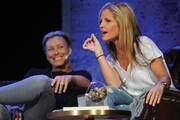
[93, 45]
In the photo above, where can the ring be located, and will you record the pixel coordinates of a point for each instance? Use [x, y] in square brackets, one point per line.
[62, 83]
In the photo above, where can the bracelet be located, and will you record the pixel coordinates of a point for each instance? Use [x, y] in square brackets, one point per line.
[99, 56]
[163, 84]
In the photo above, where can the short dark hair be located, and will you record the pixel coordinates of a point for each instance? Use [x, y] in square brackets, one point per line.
[53, 34]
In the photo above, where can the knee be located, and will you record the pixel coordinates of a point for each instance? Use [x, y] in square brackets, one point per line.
[111, 89]
[40, 77]
[41, 81]
[112, 92]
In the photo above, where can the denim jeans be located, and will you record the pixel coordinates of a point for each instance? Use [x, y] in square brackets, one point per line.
[118, 99]
[34, 92]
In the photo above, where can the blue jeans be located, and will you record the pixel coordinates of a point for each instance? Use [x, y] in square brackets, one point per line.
[35, 92]
[118, 99]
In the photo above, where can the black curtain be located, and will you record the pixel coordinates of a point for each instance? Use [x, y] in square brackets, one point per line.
[23, 24]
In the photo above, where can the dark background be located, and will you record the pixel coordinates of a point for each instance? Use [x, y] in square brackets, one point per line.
[23, 25]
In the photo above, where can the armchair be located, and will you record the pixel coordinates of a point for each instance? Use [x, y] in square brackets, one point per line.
[172, 58]
[169, 107]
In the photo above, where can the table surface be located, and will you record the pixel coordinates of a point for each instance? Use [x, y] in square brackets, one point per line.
[88, 114]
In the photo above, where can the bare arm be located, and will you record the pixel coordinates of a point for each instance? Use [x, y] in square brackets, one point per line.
[110, 75]
[160, 70]
[81, 81]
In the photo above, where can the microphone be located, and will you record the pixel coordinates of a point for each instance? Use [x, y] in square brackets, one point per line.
[66, 57]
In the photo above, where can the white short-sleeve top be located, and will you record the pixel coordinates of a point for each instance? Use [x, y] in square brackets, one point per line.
[139, 76]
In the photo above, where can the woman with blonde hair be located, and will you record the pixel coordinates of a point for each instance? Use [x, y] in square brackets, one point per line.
[134, 64]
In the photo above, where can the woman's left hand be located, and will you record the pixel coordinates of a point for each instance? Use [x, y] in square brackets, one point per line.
[60, 83]
[155, 94]
[16, 115]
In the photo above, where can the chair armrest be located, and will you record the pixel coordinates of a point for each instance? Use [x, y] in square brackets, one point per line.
[168, 107]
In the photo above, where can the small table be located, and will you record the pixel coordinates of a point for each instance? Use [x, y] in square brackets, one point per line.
[88, 114]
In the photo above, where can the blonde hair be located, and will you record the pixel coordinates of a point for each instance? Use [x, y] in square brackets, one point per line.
[129, 31]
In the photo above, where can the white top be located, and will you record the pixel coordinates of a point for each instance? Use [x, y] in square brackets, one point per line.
[139, 77]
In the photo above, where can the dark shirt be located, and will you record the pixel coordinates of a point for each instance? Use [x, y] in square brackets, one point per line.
[70, 97]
